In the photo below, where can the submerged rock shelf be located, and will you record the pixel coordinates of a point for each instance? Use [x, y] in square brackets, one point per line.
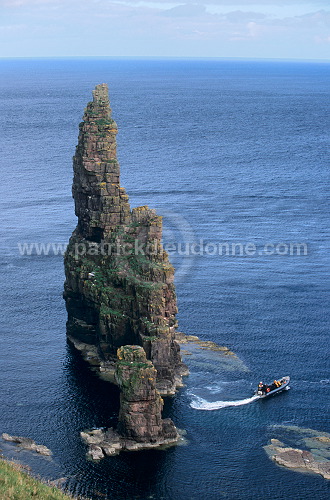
[25, 443]
[217, 358]
[301, 449]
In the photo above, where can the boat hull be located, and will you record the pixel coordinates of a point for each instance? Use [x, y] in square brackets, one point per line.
[285, 384]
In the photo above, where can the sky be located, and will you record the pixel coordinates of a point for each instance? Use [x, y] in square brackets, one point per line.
[281, 29]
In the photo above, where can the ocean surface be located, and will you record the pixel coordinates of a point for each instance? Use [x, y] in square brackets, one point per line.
[228, 152]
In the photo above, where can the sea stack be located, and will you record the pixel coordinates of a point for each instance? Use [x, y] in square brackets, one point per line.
[140, 423]
[119, 286]
[140, 415]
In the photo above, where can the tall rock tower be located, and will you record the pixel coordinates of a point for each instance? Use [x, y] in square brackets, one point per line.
[101, 205]
[119, 286]
[140, 415]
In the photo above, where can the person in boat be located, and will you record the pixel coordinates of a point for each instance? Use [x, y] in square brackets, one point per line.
[275, 385]
[262, 387]
[265, 388]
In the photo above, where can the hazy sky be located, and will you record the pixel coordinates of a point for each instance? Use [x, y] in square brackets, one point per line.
[189, 28]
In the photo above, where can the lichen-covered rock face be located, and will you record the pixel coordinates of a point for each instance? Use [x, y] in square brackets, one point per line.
[100, 203]
[140, 415]
[119, 282]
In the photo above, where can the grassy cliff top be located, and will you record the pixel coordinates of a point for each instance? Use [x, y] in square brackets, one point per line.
[18, 485]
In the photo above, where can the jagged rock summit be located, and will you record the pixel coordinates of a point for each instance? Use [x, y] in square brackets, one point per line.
[119, 286]
[101, 204]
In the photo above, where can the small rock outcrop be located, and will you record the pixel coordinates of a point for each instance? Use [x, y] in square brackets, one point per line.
[301, 449]
[140, 417]
[119, 285]
[301, 460]
[27, 444]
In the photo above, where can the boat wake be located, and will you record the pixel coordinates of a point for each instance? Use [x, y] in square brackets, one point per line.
[202, 404]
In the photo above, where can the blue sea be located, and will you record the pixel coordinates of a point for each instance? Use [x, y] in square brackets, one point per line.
[229, 152]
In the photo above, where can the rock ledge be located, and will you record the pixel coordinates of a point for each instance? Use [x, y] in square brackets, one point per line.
[108, 442]
[27, 444]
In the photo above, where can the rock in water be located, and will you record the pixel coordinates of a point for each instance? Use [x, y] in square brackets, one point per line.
[140, 416]
[140, 423]
[311, 456]
[119, 282]
[27, 444]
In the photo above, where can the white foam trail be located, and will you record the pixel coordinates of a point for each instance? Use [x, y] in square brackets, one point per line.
[201, 404]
